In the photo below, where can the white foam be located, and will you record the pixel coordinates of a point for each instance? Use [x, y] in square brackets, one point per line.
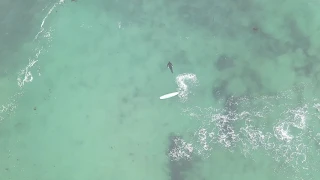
[181, 150]
[289, 140]
[44, 20]
[25, 75]
[184, 82]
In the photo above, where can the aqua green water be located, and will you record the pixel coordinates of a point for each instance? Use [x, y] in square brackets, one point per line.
[80, 85]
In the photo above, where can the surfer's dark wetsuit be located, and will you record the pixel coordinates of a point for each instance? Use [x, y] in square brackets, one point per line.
[169, 65]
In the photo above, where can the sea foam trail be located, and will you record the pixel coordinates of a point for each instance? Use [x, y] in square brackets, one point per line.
[25, 75]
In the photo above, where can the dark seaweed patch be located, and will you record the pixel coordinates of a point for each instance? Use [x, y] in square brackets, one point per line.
[299, 39]
[178, 169]
[224, 62]
[305, 70]
[219, 90]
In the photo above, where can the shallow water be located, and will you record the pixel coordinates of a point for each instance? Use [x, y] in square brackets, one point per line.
[81, 80]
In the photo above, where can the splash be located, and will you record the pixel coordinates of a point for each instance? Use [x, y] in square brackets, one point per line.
[184, 82]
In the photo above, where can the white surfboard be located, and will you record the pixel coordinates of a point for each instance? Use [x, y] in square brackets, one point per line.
[170, 95]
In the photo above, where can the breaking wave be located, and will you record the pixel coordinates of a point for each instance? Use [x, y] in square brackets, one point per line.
[42, 42]
[277, 125]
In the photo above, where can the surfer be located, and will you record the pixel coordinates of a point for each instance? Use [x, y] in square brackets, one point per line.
[169, 65]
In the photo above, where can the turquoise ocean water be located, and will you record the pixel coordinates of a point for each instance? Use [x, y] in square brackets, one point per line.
[80, 83]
